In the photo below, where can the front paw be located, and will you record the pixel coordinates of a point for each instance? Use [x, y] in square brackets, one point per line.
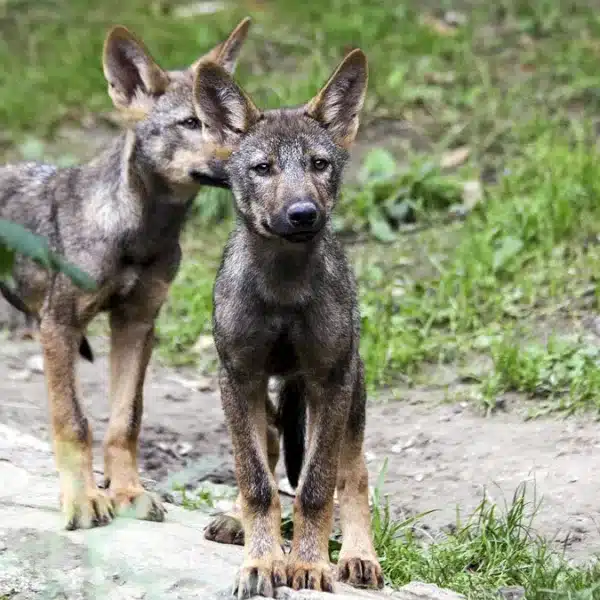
[87, 508]
[259, 578]
[360, 572]
[310, 576]
[135, 502]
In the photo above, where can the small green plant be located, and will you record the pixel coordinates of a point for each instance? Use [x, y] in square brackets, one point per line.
[205, 497]
[200, 500]
[388, 195]
[566, 373]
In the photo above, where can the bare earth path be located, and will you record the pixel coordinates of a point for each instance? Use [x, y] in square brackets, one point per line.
[440, 455]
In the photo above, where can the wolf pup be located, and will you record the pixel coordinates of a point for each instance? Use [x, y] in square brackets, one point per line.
[285, 305]
[118, 218]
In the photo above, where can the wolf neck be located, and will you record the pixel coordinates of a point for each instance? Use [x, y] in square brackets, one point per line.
[286, 272]
[126, 191]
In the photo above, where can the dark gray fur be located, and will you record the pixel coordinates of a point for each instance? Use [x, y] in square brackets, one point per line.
[285, 305]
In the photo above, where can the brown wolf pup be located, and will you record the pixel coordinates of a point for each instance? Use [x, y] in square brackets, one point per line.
[119, 218]
[285, 305]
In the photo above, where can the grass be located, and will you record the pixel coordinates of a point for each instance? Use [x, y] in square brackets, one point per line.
[496, 547]
[505, 264]
[566, 374]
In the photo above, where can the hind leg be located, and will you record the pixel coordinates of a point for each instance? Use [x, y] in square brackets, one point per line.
[226, 528]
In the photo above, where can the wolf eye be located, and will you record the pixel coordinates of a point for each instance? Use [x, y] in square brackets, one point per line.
[320, 164]
[262, 168]
[191, 123]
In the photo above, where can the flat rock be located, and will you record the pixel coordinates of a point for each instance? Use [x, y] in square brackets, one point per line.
[126, 560]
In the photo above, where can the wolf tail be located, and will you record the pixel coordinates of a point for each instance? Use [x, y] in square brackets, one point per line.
[16, 302]
[292, 420]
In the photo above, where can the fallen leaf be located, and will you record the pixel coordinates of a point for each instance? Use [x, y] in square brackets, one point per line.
[455, 158]
[438, 26]
[528, 68]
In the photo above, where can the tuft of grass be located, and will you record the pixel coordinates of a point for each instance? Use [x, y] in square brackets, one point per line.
[565, 373]
[199, 500]
[205, 497]
[496, 547]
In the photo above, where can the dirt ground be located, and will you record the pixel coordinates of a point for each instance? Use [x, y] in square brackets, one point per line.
[441, 455]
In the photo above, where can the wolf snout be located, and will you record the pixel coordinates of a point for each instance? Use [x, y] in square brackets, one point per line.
[303, 215]
[213, 179]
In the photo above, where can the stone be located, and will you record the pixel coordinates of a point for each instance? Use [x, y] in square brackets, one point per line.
[418, 590]
[512, 592]
[126, 560]
[35, 363]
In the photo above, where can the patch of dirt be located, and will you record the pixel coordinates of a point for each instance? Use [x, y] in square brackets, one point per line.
[440, 456]
[184, 433]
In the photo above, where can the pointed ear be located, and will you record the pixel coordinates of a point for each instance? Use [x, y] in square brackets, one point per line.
[340, 101]
[221, 104]
[227, 53]
[134, 79]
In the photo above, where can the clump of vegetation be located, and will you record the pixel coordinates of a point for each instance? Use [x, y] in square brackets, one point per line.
[496, 547]
[564, 373]
[388, 194]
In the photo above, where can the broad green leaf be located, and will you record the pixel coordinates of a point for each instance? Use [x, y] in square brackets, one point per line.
[379, 163]
[80, 278]
[380, 228]
[16, 239]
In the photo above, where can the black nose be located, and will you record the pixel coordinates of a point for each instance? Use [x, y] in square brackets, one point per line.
[302, 214]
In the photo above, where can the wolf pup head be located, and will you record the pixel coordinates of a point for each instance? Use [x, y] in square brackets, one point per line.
[286, 170]
[159, 107]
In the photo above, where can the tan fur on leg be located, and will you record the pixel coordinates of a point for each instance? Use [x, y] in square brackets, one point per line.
[358, 564]
[83, 504]
[263, 568]
[132, 339]
[226, 528]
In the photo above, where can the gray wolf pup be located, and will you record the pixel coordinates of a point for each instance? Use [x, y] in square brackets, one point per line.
[118, 218]
[285, 305]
